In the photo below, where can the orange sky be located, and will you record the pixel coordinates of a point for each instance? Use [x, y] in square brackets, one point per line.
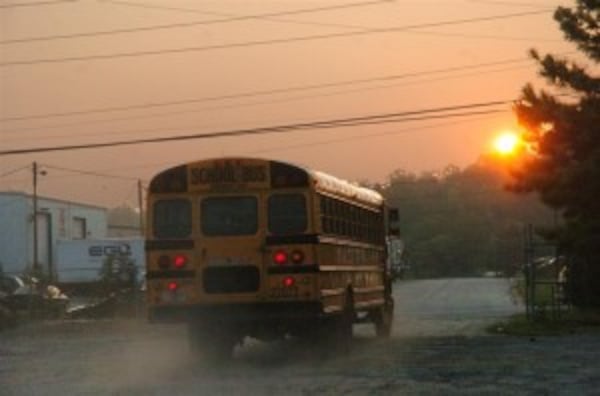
[346, 152]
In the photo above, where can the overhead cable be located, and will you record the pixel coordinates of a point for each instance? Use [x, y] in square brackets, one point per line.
[193, 23]
[14, 171]
[34, 4]
[222, 107]
[322, 124]
[322, 142]
[245, 44]
[235, 17]
[367, 136]
[89, 173]
[265, 92]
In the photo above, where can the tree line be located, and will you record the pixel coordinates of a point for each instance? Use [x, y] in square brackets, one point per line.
[463, 222]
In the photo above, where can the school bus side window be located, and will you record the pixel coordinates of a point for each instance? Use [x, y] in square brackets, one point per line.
[172, 218]
[287, 214]
[229, 216]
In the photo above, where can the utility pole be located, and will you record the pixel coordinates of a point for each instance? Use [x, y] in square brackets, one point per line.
[138, 309]
[34, 217]
[141, 206]
[35, 269]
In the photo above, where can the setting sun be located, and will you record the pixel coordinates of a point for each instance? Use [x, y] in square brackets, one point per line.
[507, 143]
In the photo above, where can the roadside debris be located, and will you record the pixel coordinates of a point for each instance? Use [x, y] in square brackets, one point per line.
[22, 297]
[117, 293]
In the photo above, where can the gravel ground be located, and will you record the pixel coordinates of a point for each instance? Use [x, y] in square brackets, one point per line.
[438, 347]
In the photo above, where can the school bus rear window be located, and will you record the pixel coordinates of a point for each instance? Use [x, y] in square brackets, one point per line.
[172, 218]
[229, 216]
[287, 214]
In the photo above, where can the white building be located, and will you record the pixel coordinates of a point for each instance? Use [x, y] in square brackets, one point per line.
[56, 219]
[81, 261]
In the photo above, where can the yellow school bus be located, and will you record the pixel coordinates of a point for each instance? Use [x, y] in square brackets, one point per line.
[241, 247]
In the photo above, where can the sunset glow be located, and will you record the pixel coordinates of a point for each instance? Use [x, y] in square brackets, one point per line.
[164, 81]
[507, 143]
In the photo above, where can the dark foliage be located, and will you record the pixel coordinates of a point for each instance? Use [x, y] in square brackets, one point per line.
[463, 222]
[564, 136]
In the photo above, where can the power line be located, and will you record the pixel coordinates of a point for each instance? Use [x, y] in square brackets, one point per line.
[483, 36]
[335, 123]
[234, 17]
[268, 42]
[267, 91]
[161, 129]
[154, 115]
[193, 23]
[14, 171]
[89, 173]
[35, 4]
[362, 137]
[510, 3]
[322, 142]
[222, 14]
[323, 24]
[406, 119]
[196, 11]
[258, 131]
[337, 25]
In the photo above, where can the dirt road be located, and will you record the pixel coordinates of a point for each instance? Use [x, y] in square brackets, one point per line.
[438, 347]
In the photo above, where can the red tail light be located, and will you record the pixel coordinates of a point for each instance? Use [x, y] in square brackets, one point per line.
[172, 286]
[280, 257]
[288, 281]
[179, 261]
[297, 257]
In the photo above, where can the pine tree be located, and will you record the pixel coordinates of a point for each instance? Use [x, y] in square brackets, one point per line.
[564, 137]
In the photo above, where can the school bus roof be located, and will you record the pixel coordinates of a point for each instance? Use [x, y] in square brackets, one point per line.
[321, 182]
[331, 184]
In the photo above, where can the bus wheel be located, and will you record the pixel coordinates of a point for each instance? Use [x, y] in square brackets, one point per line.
[383, 318]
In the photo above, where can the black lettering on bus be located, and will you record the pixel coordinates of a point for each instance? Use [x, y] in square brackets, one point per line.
[253, 174]
[228, 173]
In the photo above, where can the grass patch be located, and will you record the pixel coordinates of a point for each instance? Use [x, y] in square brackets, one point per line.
[570, 322]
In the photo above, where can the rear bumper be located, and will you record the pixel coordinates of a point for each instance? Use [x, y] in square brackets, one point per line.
[236, 313]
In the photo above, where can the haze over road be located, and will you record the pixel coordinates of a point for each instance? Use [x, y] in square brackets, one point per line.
[443, 307]
[132, 357]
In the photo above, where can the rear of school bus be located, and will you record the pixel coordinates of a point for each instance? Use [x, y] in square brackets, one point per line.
[230, 251]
